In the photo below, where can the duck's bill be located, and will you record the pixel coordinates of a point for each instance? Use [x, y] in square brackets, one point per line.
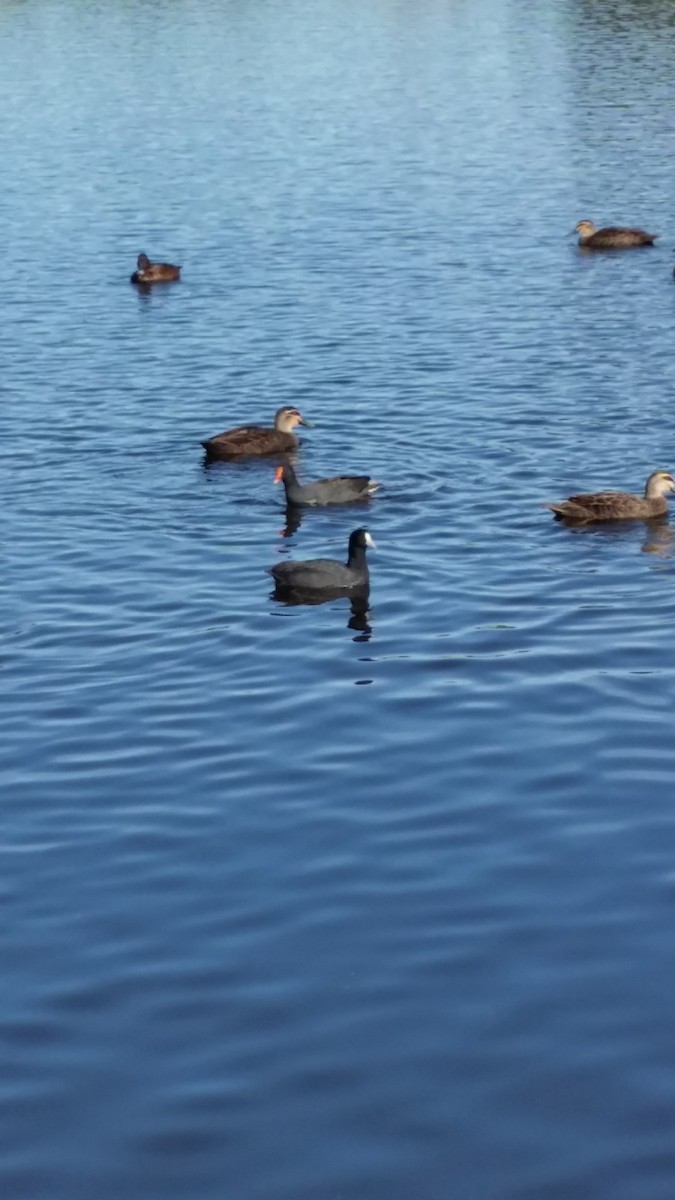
[571, 233]
[278, 474]
[305, 422]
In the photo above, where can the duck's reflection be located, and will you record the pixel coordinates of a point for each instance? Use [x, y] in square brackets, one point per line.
[144, 292]
[659, 539]
[658, 533]
[253, 463]
[360, 616]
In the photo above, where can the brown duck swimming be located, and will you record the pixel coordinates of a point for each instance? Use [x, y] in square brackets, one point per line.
[613, 237]
[618, 506]
[152, 272]
[249, 440]
[342, 489]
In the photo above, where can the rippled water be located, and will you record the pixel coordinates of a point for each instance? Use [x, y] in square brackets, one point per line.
[268, 934]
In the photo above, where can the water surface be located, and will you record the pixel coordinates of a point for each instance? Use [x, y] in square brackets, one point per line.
[298, 906]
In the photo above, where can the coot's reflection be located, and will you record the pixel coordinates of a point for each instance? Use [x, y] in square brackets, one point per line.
[360, 615]
[293, 517]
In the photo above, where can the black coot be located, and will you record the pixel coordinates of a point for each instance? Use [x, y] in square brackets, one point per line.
[324, 574]
[342, 489]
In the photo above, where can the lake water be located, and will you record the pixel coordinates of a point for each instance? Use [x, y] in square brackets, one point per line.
[296, 905]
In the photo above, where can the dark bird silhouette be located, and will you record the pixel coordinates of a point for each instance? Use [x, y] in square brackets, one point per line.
[154, 272]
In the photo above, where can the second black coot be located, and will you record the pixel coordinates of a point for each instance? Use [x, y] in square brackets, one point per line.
[325, 574]
[342, 489]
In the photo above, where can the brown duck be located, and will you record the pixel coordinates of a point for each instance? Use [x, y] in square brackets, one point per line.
[249, 440]
[153, 272]
[618, 506]
[613, 237]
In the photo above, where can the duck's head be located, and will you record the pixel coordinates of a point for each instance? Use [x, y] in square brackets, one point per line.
[585, 228]
[286, 419]
[360, 539]
[660, 483]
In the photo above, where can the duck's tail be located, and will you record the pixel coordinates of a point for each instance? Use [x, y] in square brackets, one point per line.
[564, 511]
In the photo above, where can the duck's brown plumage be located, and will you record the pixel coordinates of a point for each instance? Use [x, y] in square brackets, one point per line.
[154, 272]
[251, 440]
[612, 237]
[618, 506]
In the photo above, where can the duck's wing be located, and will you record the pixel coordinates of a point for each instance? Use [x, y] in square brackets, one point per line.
[597, 506]
[616, 235]
[240, 440]
[640, 235]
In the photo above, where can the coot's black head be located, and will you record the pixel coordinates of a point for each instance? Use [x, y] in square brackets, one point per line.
[360, 539]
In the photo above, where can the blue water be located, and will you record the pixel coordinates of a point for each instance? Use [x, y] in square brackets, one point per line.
[297, 905]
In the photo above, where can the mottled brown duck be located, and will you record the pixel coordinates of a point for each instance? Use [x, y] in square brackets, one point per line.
[154, 272]
[618, 506]
[248, 441]
[342, 489]
[612, 237]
